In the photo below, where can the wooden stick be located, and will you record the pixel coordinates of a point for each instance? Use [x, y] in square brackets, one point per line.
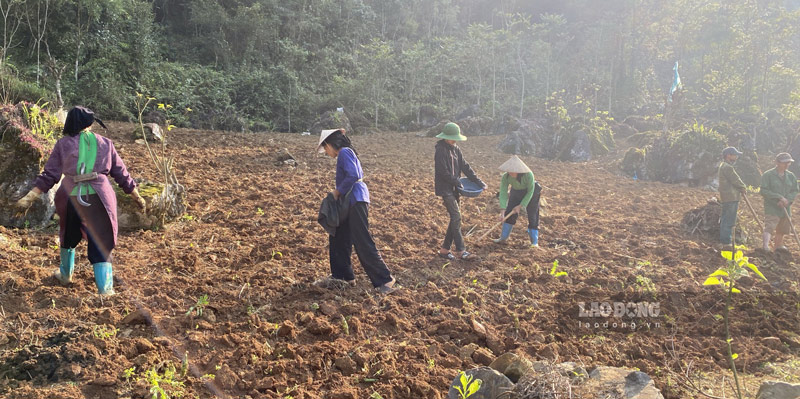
[785, 212]
[755, 215]
[495, 226]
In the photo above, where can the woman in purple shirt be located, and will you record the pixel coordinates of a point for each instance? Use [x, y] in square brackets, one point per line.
[85, 202]
[354, 229]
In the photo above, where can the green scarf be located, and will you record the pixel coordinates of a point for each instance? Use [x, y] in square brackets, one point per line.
[87, 154]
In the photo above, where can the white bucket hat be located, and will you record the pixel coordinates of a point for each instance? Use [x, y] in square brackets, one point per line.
[514, 165]
[324, 135]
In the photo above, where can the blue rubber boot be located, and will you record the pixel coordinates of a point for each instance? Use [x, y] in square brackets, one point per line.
[534, 233]
[67, 266]
[504, 235]
[104, 278]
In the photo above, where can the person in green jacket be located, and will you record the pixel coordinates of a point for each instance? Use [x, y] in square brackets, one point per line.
[731, 187]
[524, 193]
[778, 187]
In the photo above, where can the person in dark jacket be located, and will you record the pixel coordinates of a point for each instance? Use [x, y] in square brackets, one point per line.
[449, 164]
[731, 187]
[353, 229]
[85, 202]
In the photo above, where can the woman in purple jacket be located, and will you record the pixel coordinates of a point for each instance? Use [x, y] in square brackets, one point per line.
[354, 229]
[85, 201]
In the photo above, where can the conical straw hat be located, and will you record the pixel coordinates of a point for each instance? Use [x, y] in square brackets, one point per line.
[324, 135]
[515, 165]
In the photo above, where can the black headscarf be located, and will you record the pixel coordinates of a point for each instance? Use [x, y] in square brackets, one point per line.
[80, 118]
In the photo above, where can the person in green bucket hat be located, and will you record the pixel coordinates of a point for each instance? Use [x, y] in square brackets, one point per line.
[450, 162]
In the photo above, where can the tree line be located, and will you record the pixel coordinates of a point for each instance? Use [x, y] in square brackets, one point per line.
[394, 64]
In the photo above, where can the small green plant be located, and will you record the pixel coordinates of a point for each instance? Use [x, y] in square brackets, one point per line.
[431, 364]
[260, 212]
[375, 395]
[469, 385]
[553, 271]
[345, 326]
[104, 332]
[736, 266]
[277, 255]
[198, 307]
[128, 374]
[162, 386]
[314, 306]
[646, 284]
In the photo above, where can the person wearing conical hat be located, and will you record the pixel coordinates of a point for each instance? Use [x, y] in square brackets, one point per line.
[518, 189]
[449, 163]
[353, 230]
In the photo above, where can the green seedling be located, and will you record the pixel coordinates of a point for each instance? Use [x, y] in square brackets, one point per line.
[162, 386]
[260, 212]
[277, 255]
[553, 271]
[469, 385]
[375, 395]
[104, 332]
[736, 266]
[128, 374]
[198, 307]
[431, 363]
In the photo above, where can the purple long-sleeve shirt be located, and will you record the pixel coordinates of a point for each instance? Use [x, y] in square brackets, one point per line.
[64, 160]
[348, 174]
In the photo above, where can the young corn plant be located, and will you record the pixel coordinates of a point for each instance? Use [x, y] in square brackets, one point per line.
[736, 266]
[198, 307]
[555, 273]
[469, 385]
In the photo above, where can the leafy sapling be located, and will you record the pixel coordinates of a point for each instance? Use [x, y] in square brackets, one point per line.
[736, 266]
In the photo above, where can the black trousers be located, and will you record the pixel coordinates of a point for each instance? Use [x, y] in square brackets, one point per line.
[92, 220]
[354, 231]
[451, 202]
[515, 198]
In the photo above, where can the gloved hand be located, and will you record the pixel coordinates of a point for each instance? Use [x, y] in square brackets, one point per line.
[26, 201]
[139, 200]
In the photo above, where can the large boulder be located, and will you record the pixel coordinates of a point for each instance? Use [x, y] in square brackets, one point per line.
[634, 164]
[580, 149]
[778, 390]
[691, 157]
[530, 138]
[748, 170]
[150, 130]
[165, 204]
[632, 384]
[27, 136]
[336, 119]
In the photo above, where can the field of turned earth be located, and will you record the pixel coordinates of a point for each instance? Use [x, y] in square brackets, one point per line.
[251, 243]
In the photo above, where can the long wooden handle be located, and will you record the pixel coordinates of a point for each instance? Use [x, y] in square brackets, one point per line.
[794, 232]
[495, 226]
[755, 215]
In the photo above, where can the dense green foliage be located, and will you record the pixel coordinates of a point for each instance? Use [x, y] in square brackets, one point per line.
[272, 64]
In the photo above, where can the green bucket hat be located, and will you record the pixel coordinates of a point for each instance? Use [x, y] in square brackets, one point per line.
[451, 131]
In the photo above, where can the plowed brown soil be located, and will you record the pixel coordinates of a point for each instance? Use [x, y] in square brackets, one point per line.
[250, 241]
